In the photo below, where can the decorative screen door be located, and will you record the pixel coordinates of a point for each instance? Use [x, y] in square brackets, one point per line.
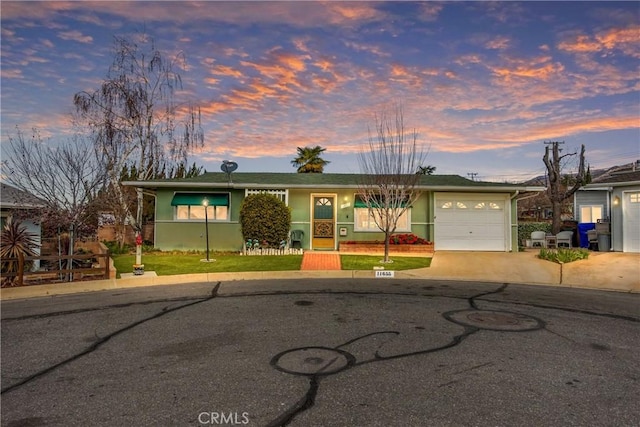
[323, 222]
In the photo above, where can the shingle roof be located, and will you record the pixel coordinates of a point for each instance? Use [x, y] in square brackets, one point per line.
[306, 180]
[619, 178]
[12, 197]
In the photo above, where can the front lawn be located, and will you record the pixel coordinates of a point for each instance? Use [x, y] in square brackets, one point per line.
[367, 262]
[168, 263]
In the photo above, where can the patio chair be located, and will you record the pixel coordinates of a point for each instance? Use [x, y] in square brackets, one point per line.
[296, 237]
[564, 238]
[538, 239]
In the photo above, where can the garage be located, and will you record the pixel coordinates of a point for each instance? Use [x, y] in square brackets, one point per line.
[473, 222]
[631, 221]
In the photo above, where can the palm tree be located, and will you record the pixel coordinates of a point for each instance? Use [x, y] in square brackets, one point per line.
[17, 242]
[309, 160]
[426, 170]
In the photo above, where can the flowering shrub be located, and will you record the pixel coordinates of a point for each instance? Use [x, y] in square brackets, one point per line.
[407, 239]
[396, 239]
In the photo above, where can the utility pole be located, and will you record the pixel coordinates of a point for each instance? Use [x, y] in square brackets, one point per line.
[472, 175]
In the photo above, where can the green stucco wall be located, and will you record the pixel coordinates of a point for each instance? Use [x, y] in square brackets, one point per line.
[171, 234]
[514, 225]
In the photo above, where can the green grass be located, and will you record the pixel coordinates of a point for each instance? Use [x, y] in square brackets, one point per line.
[169, 263]
[563, 255]
[367, 262]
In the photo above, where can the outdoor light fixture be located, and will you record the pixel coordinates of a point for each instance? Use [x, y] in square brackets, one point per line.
[205, 203]
[616, 201]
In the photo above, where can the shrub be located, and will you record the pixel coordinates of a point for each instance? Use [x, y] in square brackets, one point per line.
[526, 228]
[115, 248]
[18, 243]
[266, 218]
[407, 239]
[562, 255]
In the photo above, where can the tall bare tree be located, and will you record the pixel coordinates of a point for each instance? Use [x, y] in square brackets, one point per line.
[556, 191]
[135, 118]
[388, 166]
[66, 177]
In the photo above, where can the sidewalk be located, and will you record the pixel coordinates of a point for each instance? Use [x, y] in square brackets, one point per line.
[603, 270]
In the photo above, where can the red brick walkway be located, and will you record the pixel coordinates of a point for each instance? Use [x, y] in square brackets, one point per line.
[320, 261]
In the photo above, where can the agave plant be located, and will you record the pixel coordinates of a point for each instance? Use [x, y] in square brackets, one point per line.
[16, 242]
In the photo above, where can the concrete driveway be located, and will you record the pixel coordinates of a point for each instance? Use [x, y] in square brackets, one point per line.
[323, 352]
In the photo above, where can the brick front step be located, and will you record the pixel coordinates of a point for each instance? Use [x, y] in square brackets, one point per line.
[366, 247]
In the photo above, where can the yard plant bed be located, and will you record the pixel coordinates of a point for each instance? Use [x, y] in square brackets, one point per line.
[378, 247]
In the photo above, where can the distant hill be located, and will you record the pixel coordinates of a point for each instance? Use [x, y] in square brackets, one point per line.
[596, 174]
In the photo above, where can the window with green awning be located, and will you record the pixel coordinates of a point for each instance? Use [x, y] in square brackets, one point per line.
[196, 199]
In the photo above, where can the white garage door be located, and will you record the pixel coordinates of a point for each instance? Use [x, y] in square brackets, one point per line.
[471, 222]
[631, 222]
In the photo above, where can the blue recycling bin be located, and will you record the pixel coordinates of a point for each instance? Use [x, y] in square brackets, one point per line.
[582, 233]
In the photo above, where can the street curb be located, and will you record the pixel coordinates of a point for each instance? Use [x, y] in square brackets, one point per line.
[35, 291]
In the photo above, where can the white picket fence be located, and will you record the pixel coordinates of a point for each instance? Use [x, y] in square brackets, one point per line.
[272, 251]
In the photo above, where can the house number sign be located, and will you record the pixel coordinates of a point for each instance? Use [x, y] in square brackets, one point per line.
[385, 273]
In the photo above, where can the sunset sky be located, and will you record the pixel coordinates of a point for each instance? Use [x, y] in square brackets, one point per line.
[483, 83]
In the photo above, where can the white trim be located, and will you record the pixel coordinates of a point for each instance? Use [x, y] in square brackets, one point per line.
[334, 196]
[591, 206]
[625, 217]
[356, 229]
[279, 193]
[229, 186]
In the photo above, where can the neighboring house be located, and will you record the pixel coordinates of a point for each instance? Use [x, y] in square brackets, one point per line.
[614, 197]
[13, 199]
[453, 212]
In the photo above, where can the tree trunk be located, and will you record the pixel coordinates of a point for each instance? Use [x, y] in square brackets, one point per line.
[556, 224]
[387, 237]
[71, 245]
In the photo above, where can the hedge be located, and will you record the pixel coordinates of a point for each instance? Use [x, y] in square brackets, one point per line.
[526, 228]
[266, 218]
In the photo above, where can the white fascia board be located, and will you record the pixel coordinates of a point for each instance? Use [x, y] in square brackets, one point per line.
[488, 189]
[232, 185]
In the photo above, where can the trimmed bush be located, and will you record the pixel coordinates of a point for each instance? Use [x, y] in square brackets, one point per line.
[266, 218]
[526, 228]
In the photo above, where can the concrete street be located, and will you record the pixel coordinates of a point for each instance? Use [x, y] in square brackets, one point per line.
[323, 352]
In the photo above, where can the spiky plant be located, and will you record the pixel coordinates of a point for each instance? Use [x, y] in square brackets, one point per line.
[16, 242]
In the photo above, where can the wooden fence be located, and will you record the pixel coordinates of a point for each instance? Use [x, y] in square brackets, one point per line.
[86, 270]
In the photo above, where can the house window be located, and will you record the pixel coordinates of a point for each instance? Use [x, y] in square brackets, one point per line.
[634, 197]
[280, 194]
[590, 213]
[365, 218]
[190, 206]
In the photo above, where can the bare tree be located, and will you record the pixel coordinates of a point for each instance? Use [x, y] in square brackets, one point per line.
[135, 119]
[556, 191]
[66, 177]
[388, 168]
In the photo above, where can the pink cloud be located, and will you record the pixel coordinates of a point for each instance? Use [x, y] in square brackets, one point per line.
[75, 36]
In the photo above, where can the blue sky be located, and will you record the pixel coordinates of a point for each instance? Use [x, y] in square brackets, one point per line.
[483, 83]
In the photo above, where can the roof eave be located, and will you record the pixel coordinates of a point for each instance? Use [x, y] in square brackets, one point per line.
[605, 185]
[232, 185]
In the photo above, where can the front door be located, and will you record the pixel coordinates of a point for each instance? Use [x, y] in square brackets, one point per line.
[323, 224]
